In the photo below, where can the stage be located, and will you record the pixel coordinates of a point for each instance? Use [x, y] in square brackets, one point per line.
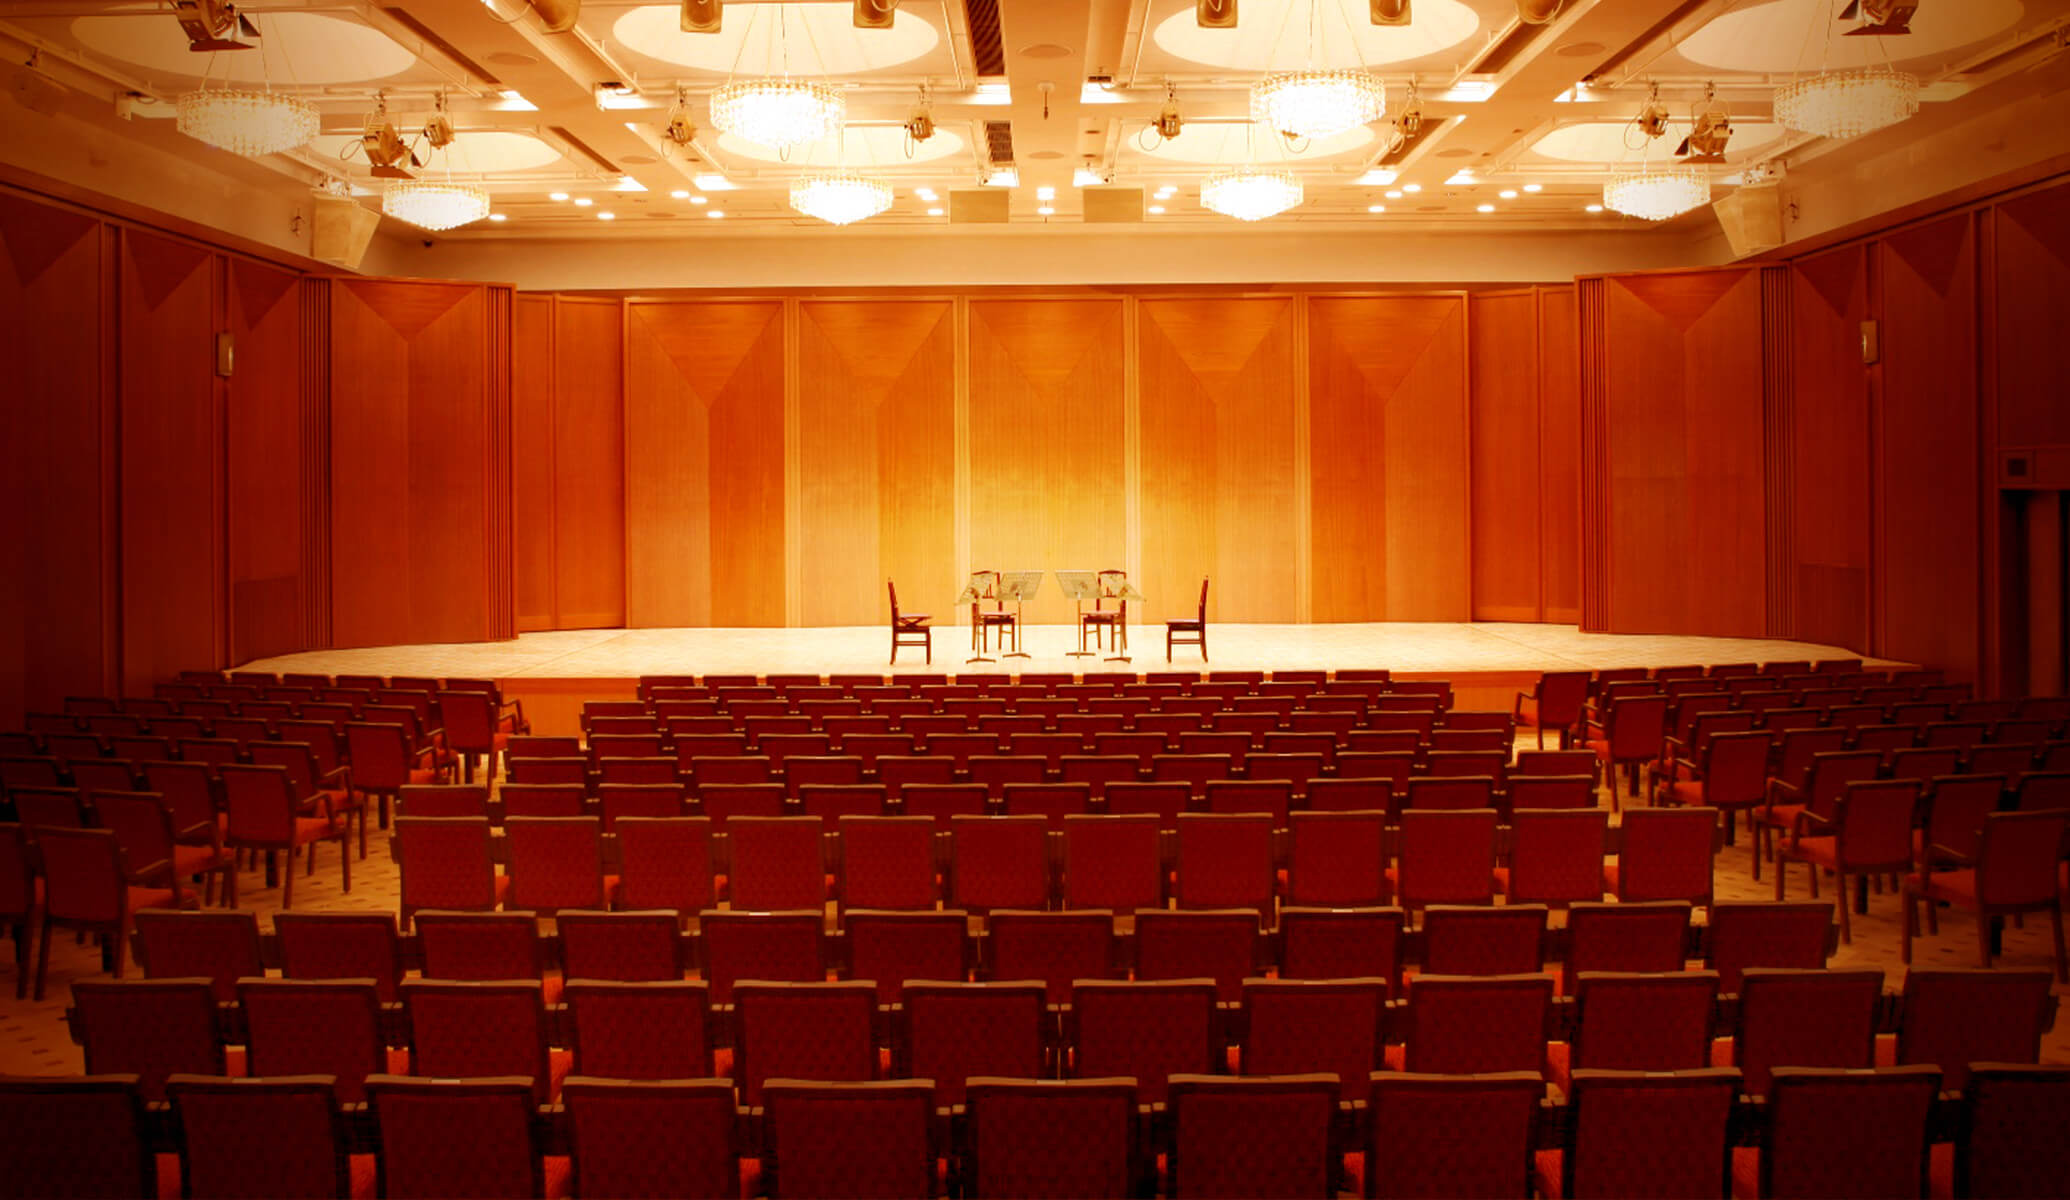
[1486, 662]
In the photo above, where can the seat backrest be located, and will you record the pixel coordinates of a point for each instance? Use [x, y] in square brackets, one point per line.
[776, 863]
[887, 862]
[999, 862]
[1459, 1025]
[455, 1137]
[651, 1137]
[1873, 822]
[78, 1136]
[149, 1028]
[1847, 1133]
[445, 863]
[260, 803]
[1113, 862]
[1735, 768]
[1630, 1021]
[223, 946]
[2014, 1145]
[952, 1031]
[624, 946]
[1649, 936]
[482, 946]
[2046, 789]
[83, 875]
[1220, 944]
[478, 1028]
[554, 862]
[1337, 858]
[381, 755]
[469, 800]
[1556, 855]
[1147, 1031]
[1637, 726]
[884, 1130]
[1651, 1133]
[1295, 1026]
[1956, 808]
[1341, 943]
[1802, 1018]
[340, 946]
[1759, 933]
[1667, 853]
[802, 1031]
[1268, 1136]
[1055, 947]
[657, 1029]
[619, 800]
[1225, 861]
[2018, 857]
[665, 862]
[1476, 940]
[260, 1137]
[314, 1027]
[783, 946]
[1447, 857]
[1954, 1018]
[1452, 1135]
[1049, 1137]
[891, 948]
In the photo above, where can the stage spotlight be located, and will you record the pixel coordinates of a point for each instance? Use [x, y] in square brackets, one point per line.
[701, 16]
[680, 130]
[438, 131]
[1390, 12]
[1215, 14]
[920, 125]
[875, 14]
[384, 146]
[1880, 18]
[1710, 128]
[214, 25]
[1168, 122]
[557, 16]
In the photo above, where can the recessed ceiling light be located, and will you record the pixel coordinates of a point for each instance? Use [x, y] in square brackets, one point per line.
[607, 216]
[1157, 210]
[1508, 193]
[1486, 208]
[1378, 177]
[1594, 208]
[714, 213]
[711, 182]
[1045, 211]
[1534, 187]
[583, 202]
[1045, 192]
[700, 200]
[1376, 208]
[1394, 194]
[925, 193]
[1412, 188]
[498, 217]
[557, 196]
[680, 194]
[934, 212]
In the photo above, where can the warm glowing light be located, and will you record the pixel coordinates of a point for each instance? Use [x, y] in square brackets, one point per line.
[1657, 193]
[583, 202]
[435, 204]
[1250, 193]
[1317, 104]
[1845, 104]
[840, 197]
[253, 124]
[1486, 208]
[779, 113]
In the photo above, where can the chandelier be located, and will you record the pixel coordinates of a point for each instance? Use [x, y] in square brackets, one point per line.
[435, 204]
[840, 197]
[1845, 104]
[778, 113]
[253, 124]
[1657, 193]
[1316, 104]
[1250, 193]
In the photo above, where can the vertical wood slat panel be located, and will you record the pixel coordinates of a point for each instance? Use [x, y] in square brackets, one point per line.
[1506, 449]
[1828, 448]
[1595, 459]
[1778, 411]
[265, 467]
[588, 479]
[534, 504]
[1559, 455]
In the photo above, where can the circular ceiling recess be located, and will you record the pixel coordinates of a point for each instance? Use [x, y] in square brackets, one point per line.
[509, 58]
[863, 147]
[1579, 49]
[639, 160]
[1272, 35]
[1786, 36]
[1604, 141]
[1455, 152]
[1045, 50]
[1045, 155]
[1231, 143]
[491, 152]
[757, 39]
[295, 48]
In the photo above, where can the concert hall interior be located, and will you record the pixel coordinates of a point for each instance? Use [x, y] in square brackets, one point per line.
[1110, 493]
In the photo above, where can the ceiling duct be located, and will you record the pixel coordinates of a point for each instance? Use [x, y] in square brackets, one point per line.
[403, 17]
[986, 50]
[1505, 49]
[999, 143]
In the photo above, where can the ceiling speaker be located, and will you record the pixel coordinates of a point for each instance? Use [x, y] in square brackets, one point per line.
[1538, 12]
[341, 232]
[1390, 12]
[701, 16]
[978, 206]
[1752, 220]
[1112, 205]
[557, 16]
[869, 14]
[1215, 14]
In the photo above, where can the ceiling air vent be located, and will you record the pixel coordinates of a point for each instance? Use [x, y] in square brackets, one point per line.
[985, 45]
[999, 143]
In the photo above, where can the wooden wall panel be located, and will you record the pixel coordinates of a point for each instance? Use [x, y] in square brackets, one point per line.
[1927, 605]
[588, 464]
[1559, 455]
[704, 463]
[1828, 450]
[877, 467]
[2030, 276]
[418, 534]
[1220, 492]
[1507, 571]
[1388, 459]
[1046, 430]
[1683, 393]
[171, 461]
[265, 416]
[56, 547]
[532, 501]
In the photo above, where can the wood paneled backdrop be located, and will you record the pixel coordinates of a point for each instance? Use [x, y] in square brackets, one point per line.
[1701, 452]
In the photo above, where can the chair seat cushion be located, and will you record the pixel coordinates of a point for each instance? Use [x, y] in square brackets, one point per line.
[1819, 851]
[1187, 625]
[193, 860]
[1956, 887]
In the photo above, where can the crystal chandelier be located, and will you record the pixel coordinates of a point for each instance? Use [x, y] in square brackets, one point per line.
[840, 197]
[435, 204]
[1657, 193]
[253, 124]
[1317, 104]
[778, 113]
[1845, 104]
[1250, 193]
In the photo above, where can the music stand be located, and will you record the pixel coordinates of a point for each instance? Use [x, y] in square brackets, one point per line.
[1019, 587]
[1127, 593]
[1079, 587]
[973, 594]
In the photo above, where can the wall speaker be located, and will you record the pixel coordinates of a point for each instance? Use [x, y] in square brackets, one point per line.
[1752, 219]
[1112, 205]
[341, 232]
[978, 206]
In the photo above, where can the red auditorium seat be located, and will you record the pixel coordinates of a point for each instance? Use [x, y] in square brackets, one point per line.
[1743, 934]
[655, 1029]
[1055, 947]
[1474, 1025]
[340, 946]
[2013, 1143]
[629, 947]
[666, 863]
[1147, 1031]
[1296, 1026]
[265, 1137]
[780, 946]
[75, 1137]
[1113, 862]
[147, 1028]
[1341, 943]
[951, 1031]
[1841, 1133]
[1649, 936]
[1268, 1136]
[1451, 1135]
[1036, 1137]
[458, 1137]
[891, 948]
[673, 1137]
[1632, 1133]
[86, 887]
[1792, 1018]
[1475, 940]
[314, 1027]
[222, 947]
[817, 1031]
[1638, 1022]
[834, 1141]
[480, 1029]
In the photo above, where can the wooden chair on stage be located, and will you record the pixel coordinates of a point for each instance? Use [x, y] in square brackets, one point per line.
[1112, 585]
[1189, 631]
[985, 586]
[908, 629]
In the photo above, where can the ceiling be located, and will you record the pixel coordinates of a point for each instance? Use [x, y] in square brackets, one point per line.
[1521, 123]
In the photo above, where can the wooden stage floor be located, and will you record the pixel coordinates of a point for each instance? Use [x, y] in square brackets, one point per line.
[1486, 662]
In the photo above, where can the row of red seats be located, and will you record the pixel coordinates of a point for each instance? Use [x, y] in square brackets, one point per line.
[1821, 1132]
[1217, 861]
[1146, 1029]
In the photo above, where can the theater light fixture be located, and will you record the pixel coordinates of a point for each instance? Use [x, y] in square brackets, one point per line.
[1880, 18]
[1654, 192]
[383, 144]
[1710, 129]
[438, 131]
[840, 197]
[212, 25]
[1250, 192]
[678, 131]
